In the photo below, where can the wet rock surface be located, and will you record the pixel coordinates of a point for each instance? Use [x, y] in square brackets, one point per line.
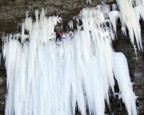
[2, 91]
[12, 12]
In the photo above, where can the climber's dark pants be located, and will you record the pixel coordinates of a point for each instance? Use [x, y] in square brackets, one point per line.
[58, 37]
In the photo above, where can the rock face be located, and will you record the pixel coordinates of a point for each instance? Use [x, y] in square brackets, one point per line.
[2, 90]
[13, 11]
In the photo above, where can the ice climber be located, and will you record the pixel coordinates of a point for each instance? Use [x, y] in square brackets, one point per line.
[58, 30]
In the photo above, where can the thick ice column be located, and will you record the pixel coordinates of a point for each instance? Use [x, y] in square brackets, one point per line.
[121, 72]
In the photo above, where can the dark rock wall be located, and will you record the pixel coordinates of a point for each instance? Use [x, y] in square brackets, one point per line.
[12, 12]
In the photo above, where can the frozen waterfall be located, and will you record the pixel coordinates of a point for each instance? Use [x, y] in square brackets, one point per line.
[47, 79]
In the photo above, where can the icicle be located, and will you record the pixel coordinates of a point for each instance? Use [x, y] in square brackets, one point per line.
[88, 1]
[131, 21]
[44, 78]
[28, 24]
[114, 15]
[123, 29]
[71, 25]
[114, 7]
